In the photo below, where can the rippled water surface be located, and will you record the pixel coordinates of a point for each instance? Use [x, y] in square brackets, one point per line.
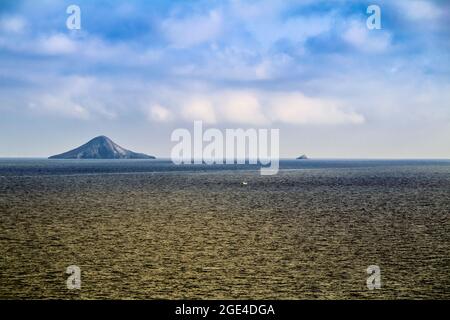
[149, 229]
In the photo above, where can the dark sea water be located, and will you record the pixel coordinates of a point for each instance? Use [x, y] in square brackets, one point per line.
[147, 229]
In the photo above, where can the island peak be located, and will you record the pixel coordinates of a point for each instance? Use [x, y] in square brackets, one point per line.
[101, 147]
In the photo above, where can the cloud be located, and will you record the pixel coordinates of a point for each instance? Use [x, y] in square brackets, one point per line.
[419, 9]
[13, 24]
[296, 108]
[198, 108]
[193, 30]
[58, 105]
[359, 36]
[48, 45]
[158, 113]
[297, 30]
[266, 23]
[76, 97]
[240, 107]
[57, 44]
[258, 108]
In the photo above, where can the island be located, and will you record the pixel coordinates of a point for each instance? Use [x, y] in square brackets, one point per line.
[302, 157]
[101, 147]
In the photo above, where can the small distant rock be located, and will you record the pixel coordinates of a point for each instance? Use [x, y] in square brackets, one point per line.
[302, 157]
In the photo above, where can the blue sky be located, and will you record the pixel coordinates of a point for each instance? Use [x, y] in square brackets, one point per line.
[139, 69]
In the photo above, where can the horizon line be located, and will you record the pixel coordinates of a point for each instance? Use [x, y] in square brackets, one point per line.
[281, 158]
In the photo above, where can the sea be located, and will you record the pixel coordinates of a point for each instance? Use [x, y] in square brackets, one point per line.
[149, 229]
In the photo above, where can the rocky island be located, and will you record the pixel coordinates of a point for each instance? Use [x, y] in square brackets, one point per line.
[101, 148]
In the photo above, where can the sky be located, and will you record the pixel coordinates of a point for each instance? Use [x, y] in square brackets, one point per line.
[137, 70]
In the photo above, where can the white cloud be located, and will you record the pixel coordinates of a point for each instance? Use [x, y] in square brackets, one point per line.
[266, 24]
[57, 44]
[296, 108]
[198, 108]
[13, 24]
[73, 97]
[58, 105]
[255, 107]
[158, 113]
[359, 36]
[419, 9]
[87, 48]
[240, 107]
[51, 44]
[187, 32]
